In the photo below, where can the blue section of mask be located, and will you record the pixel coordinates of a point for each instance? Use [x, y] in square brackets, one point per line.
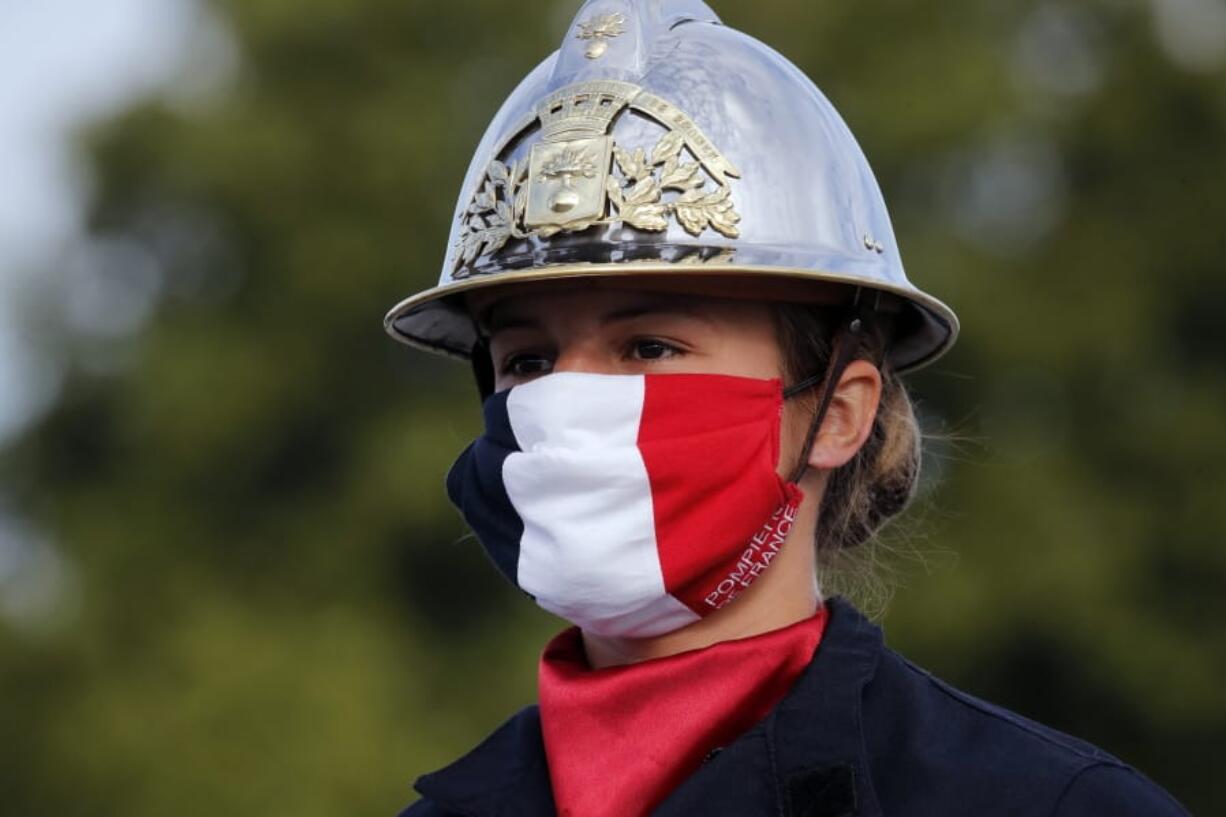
[475, 487]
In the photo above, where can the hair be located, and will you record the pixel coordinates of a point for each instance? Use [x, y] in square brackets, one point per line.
[878, 483]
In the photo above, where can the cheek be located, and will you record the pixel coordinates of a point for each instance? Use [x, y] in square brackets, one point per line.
[748, 354]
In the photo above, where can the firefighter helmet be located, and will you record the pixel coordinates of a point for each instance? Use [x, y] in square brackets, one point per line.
[658, 142]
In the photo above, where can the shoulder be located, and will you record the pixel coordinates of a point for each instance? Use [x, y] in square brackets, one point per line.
[1115, 790]
[511, 759]
[927, 739]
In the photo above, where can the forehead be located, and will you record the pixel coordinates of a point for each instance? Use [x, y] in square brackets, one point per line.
[718, 298]
[570, 302]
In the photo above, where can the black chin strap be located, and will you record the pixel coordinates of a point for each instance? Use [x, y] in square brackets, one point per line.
[846, 341]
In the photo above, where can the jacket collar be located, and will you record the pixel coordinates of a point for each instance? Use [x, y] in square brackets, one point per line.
[810, 749]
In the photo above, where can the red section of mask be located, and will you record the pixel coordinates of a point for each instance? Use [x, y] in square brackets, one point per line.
[758, 553]
[619, 740]
[717, 501]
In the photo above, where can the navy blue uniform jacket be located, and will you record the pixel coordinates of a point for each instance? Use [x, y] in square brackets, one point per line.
[863, 732]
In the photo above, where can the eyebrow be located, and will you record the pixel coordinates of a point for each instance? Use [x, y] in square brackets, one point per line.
[493, 322]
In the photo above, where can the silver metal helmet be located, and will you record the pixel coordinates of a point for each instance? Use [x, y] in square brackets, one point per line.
[657, 141]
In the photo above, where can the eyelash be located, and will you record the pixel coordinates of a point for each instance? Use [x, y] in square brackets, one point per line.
[635, 345]
[508, 367]
[671, 348]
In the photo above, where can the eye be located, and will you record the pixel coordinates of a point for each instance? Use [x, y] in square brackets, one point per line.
[527, 364]
[652, 349]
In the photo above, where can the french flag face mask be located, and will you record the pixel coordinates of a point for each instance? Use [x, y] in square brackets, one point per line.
[630, 505]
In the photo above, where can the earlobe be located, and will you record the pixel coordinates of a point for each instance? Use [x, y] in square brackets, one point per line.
[849, 419]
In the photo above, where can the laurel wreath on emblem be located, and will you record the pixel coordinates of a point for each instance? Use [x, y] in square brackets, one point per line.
[496, 213]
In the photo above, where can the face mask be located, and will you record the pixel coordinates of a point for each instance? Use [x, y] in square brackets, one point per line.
[630, 505]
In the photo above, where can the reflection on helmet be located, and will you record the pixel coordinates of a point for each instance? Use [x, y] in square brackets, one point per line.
[657, 141]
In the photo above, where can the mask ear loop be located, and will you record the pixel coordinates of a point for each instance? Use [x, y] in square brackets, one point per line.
[846, 341]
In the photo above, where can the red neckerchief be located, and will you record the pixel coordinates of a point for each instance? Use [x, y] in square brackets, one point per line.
[619, 740]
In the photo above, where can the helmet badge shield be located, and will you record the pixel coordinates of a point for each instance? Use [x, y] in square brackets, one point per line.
[577, 176]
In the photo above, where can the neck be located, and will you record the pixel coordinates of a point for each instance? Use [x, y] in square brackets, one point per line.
[784, 594]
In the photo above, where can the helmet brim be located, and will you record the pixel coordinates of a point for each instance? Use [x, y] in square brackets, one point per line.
[438, 320]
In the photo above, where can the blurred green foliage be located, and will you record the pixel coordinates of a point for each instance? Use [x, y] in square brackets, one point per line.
[272, 608]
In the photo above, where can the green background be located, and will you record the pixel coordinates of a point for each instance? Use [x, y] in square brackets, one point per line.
[271, 609]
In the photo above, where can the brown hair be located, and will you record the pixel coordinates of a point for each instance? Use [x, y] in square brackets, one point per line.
[879, 481]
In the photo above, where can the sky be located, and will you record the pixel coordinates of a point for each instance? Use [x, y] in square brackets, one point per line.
[63, 65]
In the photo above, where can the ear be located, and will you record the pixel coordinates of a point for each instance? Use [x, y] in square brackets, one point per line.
[849, 420]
